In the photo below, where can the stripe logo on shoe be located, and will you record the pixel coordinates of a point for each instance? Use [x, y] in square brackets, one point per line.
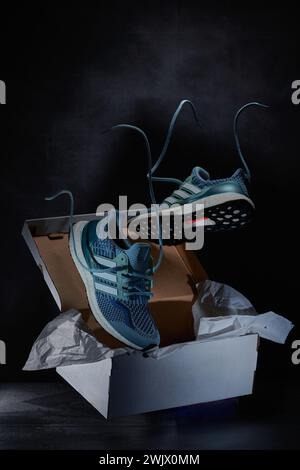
[106, 288]
[101, 286]
[191, 188]
[105, 261]
[108, 276]
[181, 193]
[184, 192]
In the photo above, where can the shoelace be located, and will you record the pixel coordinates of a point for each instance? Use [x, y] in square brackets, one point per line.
[134, 278]
[167, 143]
[170, 133]
[236, 136]
[151, 189]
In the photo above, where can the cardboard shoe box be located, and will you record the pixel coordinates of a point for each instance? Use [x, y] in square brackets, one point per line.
[188, 371]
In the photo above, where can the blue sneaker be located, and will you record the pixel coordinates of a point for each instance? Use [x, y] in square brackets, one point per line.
[227, 204]
[118, 281]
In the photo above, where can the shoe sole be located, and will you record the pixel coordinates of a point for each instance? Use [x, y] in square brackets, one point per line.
[222, 212]
[88, 281]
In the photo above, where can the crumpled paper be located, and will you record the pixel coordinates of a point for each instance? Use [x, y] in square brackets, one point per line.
[219, 311]
[222, 311]
[66, 340]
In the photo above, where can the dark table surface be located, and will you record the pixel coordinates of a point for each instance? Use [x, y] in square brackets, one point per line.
[53, 416]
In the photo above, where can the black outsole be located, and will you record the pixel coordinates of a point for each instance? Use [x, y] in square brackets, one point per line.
[227, 216]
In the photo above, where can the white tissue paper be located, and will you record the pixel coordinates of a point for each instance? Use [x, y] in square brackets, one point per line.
[66, 340]
[219, 311]
[222, 311]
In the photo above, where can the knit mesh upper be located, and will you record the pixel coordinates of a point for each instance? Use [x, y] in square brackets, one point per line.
[132, 312]
[237, 177]
[133, 315]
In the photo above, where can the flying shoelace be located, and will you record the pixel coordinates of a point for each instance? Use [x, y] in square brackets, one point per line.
[236, 136]
[151, 189]
[170, 133]
[134, 277]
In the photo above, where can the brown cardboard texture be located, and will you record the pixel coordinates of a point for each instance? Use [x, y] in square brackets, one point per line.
[174, 288]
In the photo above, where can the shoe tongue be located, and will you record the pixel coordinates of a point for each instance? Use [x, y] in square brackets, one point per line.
[139, 256]
[200, 174]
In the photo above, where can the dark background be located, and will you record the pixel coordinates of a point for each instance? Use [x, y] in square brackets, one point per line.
[72, 71]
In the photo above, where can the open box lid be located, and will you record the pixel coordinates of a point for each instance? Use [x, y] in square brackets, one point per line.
[173, 288]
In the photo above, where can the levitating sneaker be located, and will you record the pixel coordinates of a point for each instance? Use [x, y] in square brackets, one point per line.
[118, 278]
[227, 205]
[118, 281]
